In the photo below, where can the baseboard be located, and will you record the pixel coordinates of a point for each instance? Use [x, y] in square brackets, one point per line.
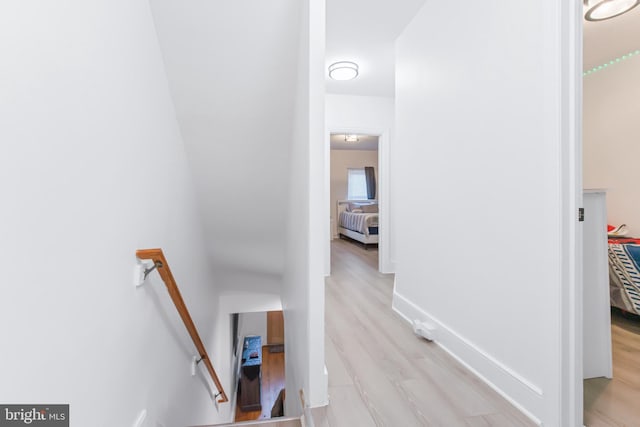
[387, 266]
[520, 392]
[321, 398]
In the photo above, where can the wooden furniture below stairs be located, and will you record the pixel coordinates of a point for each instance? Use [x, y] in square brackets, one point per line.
[250, 375]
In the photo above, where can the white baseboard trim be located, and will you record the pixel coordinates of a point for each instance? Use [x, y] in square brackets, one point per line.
[322, 397]
[520, 392]
[387, 266]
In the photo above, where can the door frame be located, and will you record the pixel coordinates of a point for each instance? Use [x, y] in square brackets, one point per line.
[569, 57]
[385, 262]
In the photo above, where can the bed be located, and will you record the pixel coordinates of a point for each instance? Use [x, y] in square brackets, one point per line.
[358, 220]
[624, 274]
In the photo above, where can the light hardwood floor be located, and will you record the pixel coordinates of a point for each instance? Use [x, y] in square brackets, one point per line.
[380, 373]
[616, 402]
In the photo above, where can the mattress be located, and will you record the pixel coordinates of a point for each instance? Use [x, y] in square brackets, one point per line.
[363, 223]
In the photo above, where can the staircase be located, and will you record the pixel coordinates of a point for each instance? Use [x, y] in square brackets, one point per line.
[279, 422]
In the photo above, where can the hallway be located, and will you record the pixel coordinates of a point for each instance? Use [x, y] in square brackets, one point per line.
[380, 373]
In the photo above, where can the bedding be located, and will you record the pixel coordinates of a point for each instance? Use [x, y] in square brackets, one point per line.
[366, 207]
[364, 223]
[624, 274]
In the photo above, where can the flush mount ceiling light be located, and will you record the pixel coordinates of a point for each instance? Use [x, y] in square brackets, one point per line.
[351, 138]
[599, 10]
[344, 70]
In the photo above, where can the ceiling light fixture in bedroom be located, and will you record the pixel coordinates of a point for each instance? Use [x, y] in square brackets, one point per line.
[344, 70]
[599, 10]
[351, 138]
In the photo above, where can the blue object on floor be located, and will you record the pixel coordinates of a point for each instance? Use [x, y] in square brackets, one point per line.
[252, 351]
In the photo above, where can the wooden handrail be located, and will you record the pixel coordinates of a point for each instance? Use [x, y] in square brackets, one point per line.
[162, 265]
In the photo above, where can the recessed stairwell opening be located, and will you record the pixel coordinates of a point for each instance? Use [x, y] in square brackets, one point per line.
[259, 365]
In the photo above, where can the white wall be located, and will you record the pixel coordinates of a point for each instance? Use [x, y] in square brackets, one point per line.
[303, 285]
[372, 115]
[353, 111]
[611, 135]
[341, 161]
[476, 161]
[92, 167]
[253, 324]
[233, 89]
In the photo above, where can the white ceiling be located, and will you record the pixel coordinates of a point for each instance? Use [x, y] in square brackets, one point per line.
[610, 39]
[365, 142]
[364, 31]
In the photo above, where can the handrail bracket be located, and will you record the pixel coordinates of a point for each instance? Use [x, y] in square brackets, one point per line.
[147, 271]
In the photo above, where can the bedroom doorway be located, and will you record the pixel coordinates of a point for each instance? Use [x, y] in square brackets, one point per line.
[353, 178]
[358, 155]
[611, 310]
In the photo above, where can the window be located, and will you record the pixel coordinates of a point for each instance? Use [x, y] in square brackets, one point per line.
[356, 184]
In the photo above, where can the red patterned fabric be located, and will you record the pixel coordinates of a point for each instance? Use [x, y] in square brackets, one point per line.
[623, 241]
